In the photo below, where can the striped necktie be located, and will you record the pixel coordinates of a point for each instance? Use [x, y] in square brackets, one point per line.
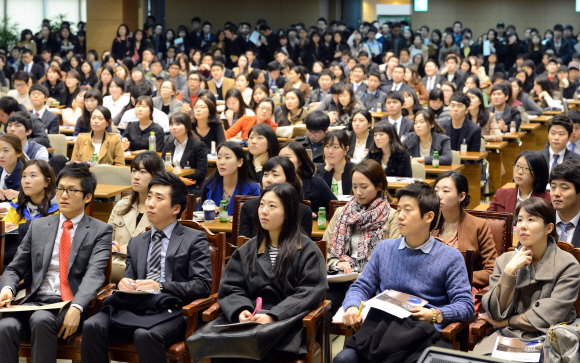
[155, 257]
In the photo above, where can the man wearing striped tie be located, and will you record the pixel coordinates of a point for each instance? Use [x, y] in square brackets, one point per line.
[565, 195]
[170, 259]
[574, 139]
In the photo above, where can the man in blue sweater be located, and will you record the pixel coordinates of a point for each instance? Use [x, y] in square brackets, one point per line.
[414, 264]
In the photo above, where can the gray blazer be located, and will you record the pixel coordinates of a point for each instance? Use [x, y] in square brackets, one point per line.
[327, 104]
[174, 105]
[88, 258]
[441, 143]
[371, 101]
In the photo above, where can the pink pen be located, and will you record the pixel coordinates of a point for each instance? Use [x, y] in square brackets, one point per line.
[258, 307]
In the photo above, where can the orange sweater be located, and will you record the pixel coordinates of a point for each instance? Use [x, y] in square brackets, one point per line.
[245, 124]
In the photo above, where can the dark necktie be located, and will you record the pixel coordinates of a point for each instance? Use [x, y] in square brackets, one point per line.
[155, 257]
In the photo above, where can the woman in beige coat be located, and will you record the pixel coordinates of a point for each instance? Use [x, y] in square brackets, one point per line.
[129, 216]
[534, 287]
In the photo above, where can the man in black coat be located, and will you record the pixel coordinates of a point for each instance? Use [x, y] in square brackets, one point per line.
[28, 65]
[564, 193]
[170, 259]
[458, 128]
[561, 47]
[556, 152]
[8, 106]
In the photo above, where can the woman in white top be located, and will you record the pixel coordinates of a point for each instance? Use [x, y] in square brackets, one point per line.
[71, 115]
[116, 100]
[242, 83]
[361, 139]
[235, 108]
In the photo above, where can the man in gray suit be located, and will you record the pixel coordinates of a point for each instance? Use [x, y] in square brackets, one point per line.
[372, 96]
[66, 255]
[171, 259]
[180, 81]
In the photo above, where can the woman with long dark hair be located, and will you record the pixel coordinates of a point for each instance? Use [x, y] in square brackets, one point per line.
[72, 86]
[337, 166]
[337, 46]
[412, 104]
[129, 216]
[206, 123]
[232, 177]
[277, 169]
[123, 44]
[427, 138]
[88, 75]
[547, 92]
[92, 99]
[262, 145]
[482, 117]
[348, 105]
[235, 108]
[297, 79]
[518, 93]
[388, 150]
[105, 78]
[11, 166]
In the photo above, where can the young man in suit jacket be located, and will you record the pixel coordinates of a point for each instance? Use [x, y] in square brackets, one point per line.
[394, 105]
[398, 81]
[372, 95]
[559, 130]
[565, 195]
[170, 259]
[219, 84]
[8, 106]
[38, 96]
[317, 124]
[454, 74]
[458, 128]
[431, 79]
[28, 65]
[20, 124]
[272, 77]
[66, 255]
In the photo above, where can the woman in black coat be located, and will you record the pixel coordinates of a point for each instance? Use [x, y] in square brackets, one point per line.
[388, 150]
[281, 266]
[337, 165]
[191, 152]
[276, 170]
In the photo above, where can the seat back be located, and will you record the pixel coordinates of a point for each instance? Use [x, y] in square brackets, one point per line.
[2, 245]
[501, 225]
[217, 251]
[239, 201]
[418, 170]
[58, 143]
[187, 214]
[112, 175]
[468, 256]
[575, 251]
[334, 205]
[456, 158]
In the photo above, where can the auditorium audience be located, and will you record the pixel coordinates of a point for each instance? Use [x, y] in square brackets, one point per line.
[477, 113]
[236, 108]
[166, 101]
[91, 99]
[20, 124]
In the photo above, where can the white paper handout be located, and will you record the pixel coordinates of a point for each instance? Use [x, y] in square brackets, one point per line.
[396, 303]
[236, 324]
[138, 292]
[342, 277]
[514, 349]
[486, 49]
[20, 308]
[255, 38]
[337, 318]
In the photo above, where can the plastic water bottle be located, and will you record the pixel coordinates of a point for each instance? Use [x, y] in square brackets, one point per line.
[95, 160]
[334, 188]
[152, 142]
[513, 129]
[435, 159]
[168, 162]
[224, 211]
[321, 218]
[463, 147]
[208, 210]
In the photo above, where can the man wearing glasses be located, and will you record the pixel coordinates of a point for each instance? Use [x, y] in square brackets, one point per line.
[66, 255]
[20, 93]
[317, 124]
[189, 96]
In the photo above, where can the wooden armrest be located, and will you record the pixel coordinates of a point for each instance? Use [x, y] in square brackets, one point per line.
[479, 328]
[212, 312]
[101, 298]
[315, 315]
[479, 294]
[453, 329]
[197, 305]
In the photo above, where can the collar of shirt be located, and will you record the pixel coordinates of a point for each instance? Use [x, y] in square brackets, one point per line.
[560, 159]
[75, 221]
[357, 84]
[397, 86]
[574, 220]
[520, 199]
[315, 146]
[372, 93]
[167, 230]
[397, 120]
[297, 85]
[40, 112]
[177, 143]
[577, 147]
[218, 84]
[425, 247]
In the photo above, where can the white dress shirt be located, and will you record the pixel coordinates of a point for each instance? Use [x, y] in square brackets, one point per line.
[115, 106]
[430, 83]
[397, 87]
[51, 283]
[396, 123]
[39, 112]
[570, 231]
[218, 84]
[178, 153]
[560, 158]
[159, 117]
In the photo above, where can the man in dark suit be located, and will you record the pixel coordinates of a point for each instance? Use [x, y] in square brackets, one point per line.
[28, 65]
[272, 78]
[9, 105]
[328, 104]
[431, 79]
[565, 196]
[324, 83]
[561, 47]
[454, 74]
[556, 152]
[394, 105]
[372, 96]
[66, 255]
[500, 95]
[207, 38]
[38, 96]
[398, 81]
[358, 76]
[317, 124]
[460, 130]
[170, 259]
[363, 58]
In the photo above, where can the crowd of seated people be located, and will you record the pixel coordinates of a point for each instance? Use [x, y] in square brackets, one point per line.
[363, 105]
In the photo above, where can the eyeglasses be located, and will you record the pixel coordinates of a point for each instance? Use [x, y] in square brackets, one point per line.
[265, 109]
[193, 80]
[518, 168]
[200, 108]
[70, 192]
[315, 133]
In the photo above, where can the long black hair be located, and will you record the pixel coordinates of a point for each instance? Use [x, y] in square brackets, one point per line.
[244, 172]
[290, 237]
[85, 119]
[416, 103]
[396, 144]
[153, 164]
[306, 167]
[538, 168]
[543, 81]
[268, 132]
[235, 93]
[461, 184]
[288, 169]
[482, 113]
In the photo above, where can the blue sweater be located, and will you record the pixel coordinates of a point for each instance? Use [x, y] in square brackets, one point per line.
[440, 277]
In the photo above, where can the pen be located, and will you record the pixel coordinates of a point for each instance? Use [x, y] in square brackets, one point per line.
[5, 301]
[258, 306]
[360, 309]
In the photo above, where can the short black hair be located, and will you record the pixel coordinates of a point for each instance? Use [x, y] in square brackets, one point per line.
[425, 196]
[569, 170]
[363, 53]
[451, 56]
[26, 50]
[317, 121]
[436, 94]
[21, 117]
[39, 87]
[431, 60]
[179, 190]
[141, 89]
[21, 76]
[156, 60]
[574, 115]
[361, 67]
[501, 87]
[80, 171]
[562, 120]
[273, 66]
[9, 105]
[395, 95]
[326, 72]
[461, 98]
[375, 73]
[217, 64]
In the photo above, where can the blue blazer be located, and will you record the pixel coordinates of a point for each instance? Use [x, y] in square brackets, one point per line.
[13, 181]
[215, 193]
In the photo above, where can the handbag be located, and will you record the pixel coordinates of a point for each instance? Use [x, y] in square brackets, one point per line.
[562, 342]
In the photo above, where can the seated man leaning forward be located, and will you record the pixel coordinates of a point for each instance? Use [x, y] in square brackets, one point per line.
[415, 264]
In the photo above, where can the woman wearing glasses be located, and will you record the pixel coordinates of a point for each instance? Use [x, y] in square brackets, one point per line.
[264, 112]
[206, 123]
[530, 176]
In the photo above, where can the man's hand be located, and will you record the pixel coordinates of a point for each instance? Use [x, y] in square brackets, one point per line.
[71, 323]
[245, 316]
[352, 319]
[6, 294]
[422, 314]
[125, 143]
[126, 284]
[146, 285]
[262, 318]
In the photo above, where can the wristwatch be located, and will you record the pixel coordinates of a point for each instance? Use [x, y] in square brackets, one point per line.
[437, 316]
[160, 286]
